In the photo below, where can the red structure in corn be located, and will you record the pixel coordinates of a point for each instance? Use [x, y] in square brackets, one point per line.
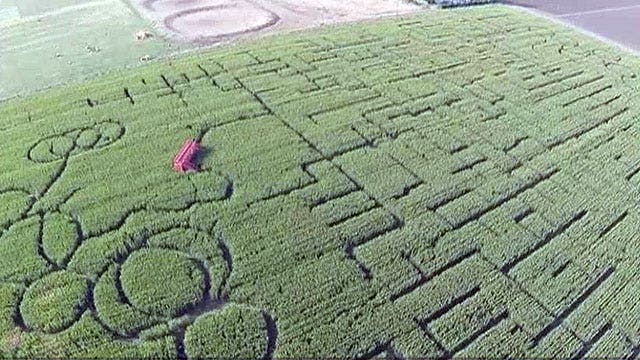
[185, 160]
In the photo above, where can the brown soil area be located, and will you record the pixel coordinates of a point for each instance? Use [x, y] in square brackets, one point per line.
[214, 21]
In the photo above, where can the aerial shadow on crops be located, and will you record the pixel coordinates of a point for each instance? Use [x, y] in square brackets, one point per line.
[204, 153]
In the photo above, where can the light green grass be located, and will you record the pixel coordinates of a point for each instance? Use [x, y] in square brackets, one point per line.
[455, 185]
[35, 7]
[46, 43]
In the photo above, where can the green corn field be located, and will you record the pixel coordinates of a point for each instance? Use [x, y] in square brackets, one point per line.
[456, 184]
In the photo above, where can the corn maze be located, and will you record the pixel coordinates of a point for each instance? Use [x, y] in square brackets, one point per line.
[452, 185]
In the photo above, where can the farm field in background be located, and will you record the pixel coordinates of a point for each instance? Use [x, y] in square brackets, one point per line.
[51, 42]
[455, 184]
[216, 21]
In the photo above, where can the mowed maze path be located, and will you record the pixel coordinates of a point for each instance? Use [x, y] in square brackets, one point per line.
[455, 184]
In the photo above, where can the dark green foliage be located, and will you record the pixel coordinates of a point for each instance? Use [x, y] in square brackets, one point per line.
[54, 302]
[235, 332]
[162, 282]
[211, 186]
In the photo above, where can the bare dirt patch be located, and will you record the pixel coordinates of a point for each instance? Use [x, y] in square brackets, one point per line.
[214, 21]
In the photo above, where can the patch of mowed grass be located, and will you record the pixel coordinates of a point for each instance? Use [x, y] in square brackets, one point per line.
[455, 184]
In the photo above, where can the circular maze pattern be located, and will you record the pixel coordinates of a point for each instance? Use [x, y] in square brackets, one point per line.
[212, 23]
[14, 202]
[159, 279]
[73, 142]
[54, 302]
[162, 282]
[166, 280]
[138, 285]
